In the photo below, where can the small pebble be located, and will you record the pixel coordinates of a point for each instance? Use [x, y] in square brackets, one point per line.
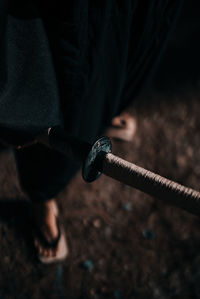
[58, 283]
[88, 264]
[59, 273]
[128, 207]
[148, 234]
[97, 223]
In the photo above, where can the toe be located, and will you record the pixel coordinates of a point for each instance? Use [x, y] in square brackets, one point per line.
[49, 252]
[41, 250]
[46, 253]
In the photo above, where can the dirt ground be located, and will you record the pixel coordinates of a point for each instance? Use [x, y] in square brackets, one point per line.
[123, 243]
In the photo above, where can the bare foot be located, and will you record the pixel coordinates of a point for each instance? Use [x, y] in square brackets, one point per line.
[122, 127]
[45, 217]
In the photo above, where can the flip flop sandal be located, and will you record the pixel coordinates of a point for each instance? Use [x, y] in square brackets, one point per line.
[123, 127]
[59, 241]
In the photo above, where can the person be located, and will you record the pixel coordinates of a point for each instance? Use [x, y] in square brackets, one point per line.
[76, 65]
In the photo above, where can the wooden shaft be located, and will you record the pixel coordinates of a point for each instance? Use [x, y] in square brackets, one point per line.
[152, 184]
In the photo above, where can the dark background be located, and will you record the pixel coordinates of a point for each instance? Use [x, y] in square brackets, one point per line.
[180, 63]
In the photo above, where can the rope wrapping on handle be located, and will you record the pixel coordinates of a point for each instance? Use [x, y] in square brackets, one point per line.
[152, 184]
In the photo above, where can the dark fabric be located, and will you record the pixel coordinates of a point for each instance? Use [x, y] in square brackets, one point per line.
[75, 64]
[43, 173]
[89, 57]
[3, 48]
[29, 101]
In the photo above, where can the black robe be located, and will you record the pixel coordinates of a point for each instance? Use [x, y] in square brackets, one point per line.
[76, 65]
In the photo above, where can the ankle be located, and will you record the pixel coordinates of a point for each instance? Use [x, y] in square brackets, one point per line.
[45, 208]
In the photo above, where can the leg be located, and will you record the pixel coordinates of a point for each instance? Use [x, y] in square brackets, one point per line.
[43, 173]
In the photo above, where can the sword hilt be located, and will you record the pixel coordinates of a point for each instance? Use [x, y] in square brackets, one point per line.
[98, 159]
